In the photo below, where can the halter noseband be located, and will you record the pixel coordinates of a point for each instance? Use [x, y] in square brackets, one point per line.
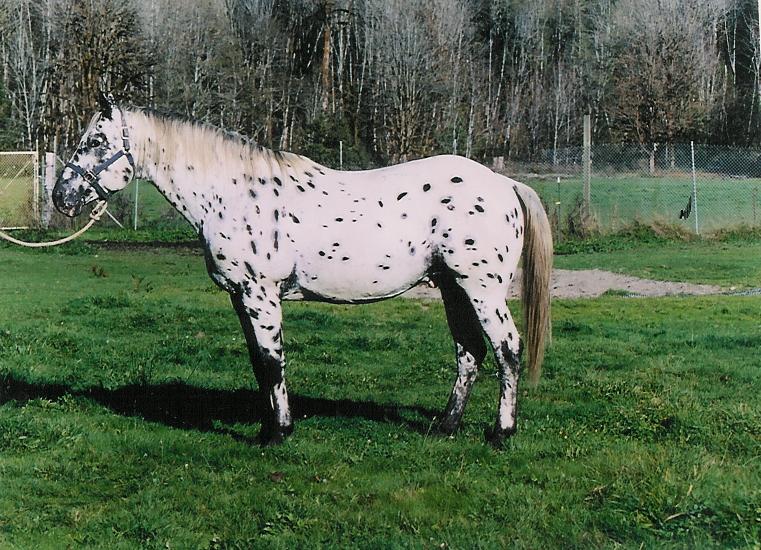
[91, 176]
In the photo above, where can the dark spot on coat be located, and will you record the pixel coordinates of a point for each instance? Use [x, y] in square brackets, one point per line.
[400, 196]
[479, 208]
[470, 241]
[427, 187]
[456, 179]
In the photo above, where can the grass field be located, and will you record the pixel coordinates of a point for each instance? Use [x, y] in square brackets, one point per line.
[729, 264]
[128, 415]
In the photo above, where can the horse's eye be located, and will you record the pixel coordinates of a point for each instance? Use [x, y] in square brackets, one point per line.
[93, 142]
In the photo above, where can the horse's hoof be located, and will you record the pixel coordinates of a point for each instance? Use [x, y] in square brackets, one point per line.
[271, 437]
[447, 427]
[496, 437]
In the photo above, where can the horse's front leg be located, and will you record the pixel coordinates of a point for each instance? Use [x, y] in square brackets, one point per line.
[261, 318]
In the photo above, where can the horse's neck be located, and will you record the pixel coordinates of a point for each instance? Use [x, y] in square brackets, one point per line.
[184, 173]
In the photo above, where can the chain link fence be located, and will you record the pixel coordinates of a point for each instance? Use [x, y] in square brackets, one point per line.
[19, 189]
[700, 188]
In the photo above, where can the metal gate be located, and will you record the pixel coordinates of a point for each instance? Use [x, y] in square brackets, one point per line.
[19, 189]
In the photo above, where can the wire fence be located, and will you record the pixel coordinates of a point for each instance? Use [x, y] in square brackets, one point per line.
[701, 189]
[19, 199]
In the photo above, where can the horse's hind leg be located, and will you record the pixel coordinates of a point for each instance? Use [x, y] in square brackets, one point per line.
[503, 335]
[487, 300]
[469, 347]
[262, 329]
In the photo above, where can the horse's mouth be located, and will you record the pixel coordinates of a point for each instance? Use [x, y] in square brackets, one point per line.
[71, 211]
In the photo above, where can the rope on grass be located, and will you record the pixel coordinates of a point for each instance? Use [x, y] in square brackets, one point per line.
[95, 215]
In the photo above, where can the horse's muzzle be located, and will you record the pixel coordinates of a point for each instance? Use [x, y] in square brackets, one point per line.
[67, 199]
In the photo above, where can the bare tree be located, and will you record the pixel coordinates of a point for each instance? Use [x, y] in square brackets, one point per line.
[98, 47]
[665, 68]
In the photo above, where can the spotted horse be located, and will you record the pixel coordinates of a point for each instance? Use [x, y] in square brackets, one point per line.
[278, 226]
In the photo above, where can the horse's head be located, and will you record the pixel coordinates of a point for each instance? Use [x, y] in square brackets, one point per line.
[101, 165]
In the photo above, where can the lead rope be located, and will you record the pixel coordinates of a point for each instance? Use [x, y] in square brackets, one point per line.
[95, 215]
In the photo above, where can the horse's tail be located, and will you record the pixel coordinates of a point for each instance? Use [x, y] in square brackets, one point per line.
[537, 269]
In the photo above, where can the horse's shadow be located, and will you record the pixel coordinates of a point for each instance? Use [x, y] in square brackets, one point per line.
[179, 405]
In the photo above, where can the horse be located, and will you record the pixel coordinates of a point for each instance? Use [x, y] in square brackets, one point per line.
[278, 226]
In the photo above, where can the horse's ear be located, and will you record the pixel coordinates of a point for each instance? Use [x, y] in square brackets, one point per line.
[105, 104]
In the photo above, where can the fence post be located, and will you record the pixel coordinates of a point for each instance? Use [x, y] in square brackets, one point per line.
[587, 160]
[137, 189]
[694, 188]
[47, 189]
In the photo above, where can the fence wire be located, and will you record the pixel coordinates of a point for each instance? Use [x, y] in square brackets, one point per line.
[648, 184]
[18, 190]
[652, 184]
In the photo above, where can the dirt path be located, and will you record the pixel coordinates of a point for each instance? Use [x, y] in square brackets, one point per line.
[590, 283]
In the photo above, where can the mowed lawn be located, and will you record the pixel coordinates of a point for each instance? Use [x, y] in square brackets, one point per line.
[128, 413]
[730, 264]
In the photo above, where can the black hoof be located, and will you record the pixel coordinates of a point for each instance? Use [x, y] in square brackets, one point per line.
[496, 437]
[447, 427]
[270, 436]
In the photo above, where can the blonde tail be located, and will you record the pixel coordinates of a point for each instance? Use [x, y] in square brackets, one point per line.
[537, 270]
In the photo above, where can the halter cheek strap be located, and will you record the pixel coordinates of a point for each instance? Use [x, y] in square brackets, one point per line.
[91, 176]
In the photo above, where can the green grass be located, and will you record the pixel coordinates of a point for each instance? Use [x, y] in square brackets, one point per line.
[127, 417]
[725, 263]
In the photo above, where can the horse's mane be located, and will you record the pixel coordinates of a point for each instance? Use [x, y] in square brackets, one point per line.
[213, 139]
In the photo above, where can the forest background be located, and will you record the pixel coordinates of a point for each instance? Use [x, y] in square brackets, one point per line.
[391, 79]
